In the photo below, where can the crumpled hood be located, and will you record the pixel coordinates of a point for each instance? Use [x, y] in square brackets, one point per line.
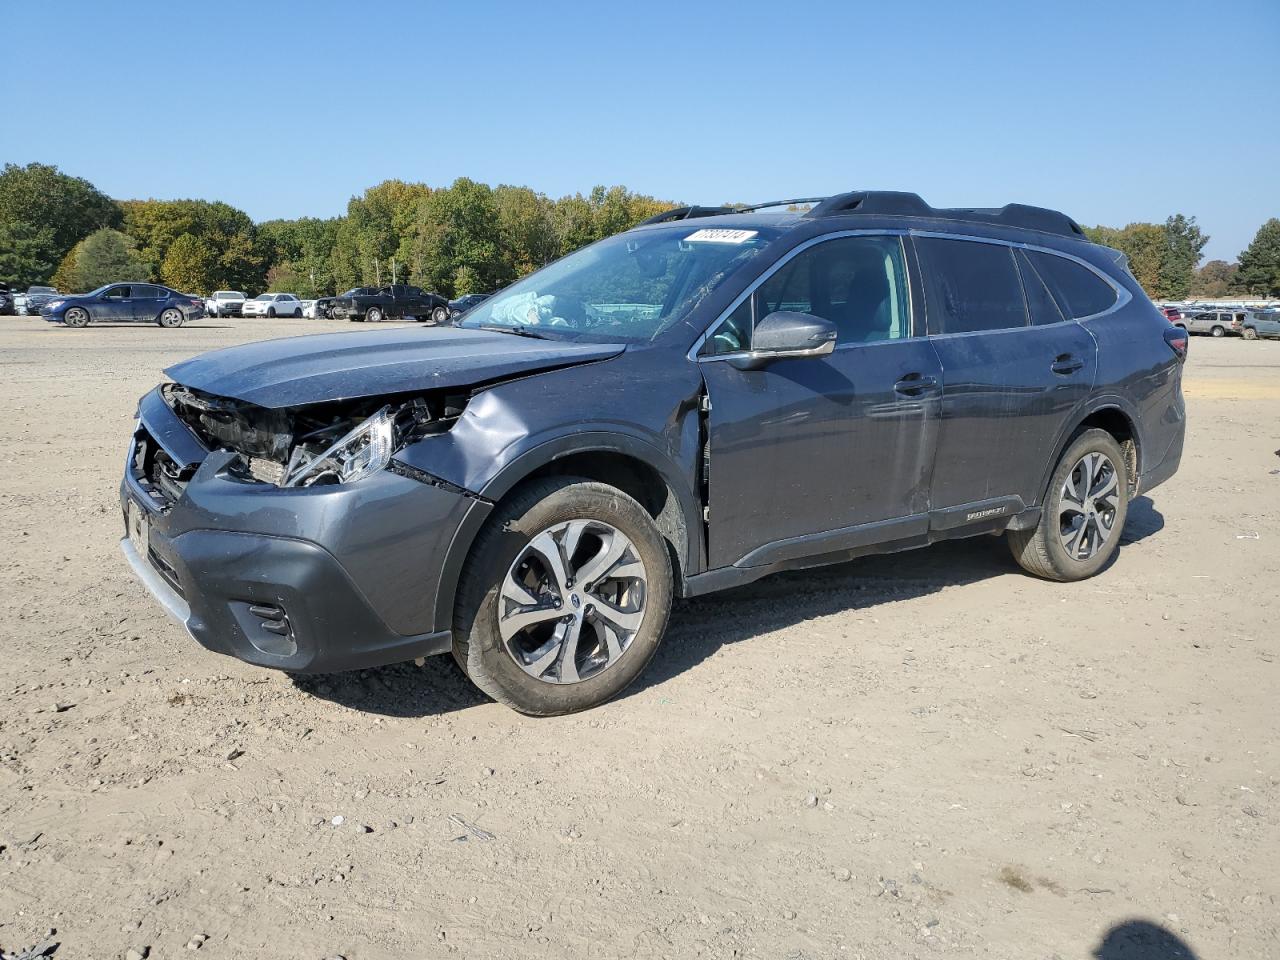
[343, 366]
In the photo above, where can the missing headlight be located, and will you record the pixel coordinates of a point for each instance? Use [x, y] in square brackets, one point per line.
[316, 445]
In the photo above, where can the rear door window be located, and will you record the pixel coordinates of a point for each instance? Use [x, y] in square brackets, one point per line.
[1040, 303]
[1078, 290]
[970, 286]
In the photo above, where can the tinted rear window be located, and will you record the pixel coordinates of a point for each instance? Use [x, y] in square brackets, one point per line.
[970, 286]
[1040, 302]
[1079, 291]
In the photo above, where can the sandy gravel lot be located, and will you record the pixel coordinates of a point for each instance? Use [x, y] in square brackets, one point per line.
[924, 755]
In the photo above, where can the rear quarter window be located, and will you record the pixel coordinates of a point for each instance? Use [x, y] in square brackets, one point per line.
[1078, 290]
[970, 286]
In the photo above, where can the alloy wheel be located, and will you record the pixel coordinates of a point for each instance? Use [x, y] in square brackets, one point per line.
[572, 601]
[1087, 506]
[77, 317]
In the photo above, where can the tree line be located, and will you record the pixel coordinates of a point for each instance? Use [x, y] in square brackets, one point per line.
[1165, 259]
[465, 238]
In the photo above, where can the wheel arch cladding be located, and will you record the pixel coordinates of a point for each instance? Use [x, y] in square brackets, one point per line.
[1110, 416]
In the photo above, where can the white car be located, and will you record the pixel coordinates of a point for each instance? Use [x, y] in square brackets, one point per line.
[272, 305]
[224, 303]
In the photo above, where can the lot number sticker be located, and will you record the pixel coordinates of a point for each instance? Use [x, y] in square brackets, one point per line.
[720, 236]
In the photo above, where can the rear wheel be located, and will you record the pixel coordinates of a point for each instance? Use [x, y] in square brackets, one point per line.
[1082, 515]
[76, 317]
[171, 318]
[297, 313]
[564, 598]
[373, 315]
[1218, 332]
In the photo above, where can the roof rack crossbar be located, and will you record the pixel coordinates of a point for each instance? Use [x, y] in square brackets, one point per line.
[685, 213]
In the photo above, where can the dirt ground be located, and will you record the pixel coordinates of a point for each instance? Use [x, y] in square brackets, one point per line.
[924, 755]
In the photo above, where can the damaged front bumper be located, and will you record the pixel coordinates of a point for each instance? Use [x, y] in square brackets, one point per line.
[310, 579]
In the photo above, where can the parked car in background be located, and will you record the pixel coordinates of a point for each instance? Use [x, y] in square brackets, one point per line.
[1172, 314]
[7, 308]
[272, 305]
[317, 309]
[781, 391]
[460, 306]
[125, 303]
[1262, 324]
[225, 303]
[392, 303]
[37, 297]
[1216, 323]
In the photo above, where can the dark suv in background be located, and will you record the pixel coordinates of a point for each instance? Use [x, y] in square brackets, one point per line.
[688, 406]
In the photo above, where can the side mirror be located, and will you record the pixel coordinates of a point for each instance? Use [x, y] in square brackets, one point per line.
[785, 333]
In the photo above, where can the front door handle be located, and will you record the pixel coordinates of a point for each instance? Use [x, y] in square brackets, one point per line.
[914, 384]
[1066, 364]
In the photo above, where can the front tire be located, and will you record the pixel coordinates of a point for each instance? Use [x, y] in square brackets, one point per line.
[440, 316]
[1083, 512]
[564, 598]
[1250, 333]
[77, 317]
[170, 318]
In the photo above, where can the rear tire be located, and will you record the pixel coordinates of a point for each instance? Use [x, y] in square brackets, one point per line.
[373, 315]
[171, 318]
[297, 314]
[587, 661]
[1218, 332]
[1070, 543]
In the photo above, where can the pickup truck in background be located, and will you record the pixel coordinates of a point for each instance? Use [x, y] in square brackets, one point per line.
[392, 303]
[225, 303]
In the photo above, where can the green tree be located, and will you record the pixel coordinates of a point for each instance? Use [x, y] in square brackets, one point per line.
[1143, 244]
[61, 209]
[1216, 279]
[227, 232]
[107, 256]
[191, 266]
[458, 228]
[1183, 242]
[307, 246]
[27, 253]
[1260, 261]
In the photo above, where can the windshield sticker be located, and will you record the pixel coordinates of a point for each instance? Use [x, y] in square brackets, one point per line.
[720, 236]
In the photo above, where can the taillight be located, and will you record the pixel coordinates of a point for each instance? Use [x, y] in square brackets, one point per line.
[1176, 338]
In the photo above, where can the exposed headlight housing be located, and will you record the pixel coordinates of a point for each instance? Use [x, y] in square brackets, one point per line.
[365, 450]
[55, 304]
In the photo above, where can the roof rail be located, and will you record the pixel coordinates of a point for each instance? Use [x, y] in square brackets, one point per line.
[894, 203]
[686, 213]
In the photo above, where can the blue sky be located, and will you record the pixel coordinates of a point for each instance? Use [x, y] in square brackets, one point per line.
[1113, 112]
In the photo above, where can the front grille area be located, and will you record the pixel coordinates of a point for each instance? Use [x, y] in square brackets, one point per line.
[155, 471]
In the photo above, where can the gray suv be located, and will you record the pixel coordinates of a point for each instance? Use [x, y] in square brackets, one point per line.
[688, 406]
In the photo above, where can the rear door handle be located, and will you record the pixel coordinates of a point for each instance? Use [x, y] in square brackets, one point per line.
[913, 384]
[1066, 364]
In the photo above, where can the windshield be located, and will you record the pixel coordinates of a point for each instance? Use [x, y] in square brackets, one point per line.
[265, 296]
[228, 294]
[41, 290]
[630, 287]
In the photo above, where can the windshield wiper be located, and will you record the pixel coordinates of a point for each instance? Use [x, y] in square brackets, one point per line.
[514, 328]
